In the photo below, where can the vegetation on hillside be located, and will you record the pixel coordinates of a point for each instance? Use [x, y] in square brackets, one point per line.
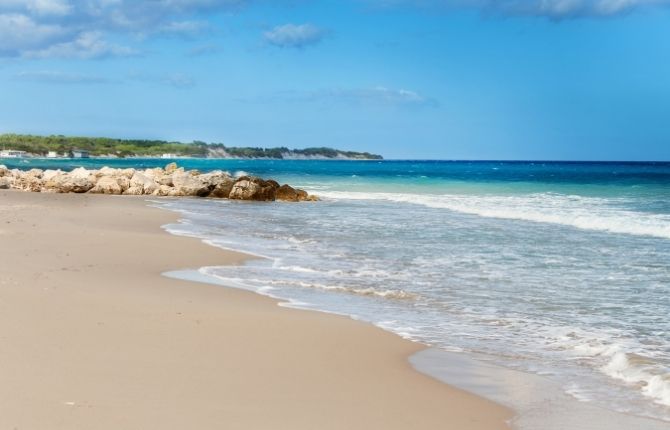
[102, 146]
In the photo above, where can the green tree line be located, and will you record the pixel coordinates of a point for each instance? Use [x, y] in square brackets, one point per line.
[102, 146]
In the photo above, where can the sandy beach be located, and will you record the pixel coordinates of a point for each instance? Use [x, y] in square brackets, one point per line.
[93, 337]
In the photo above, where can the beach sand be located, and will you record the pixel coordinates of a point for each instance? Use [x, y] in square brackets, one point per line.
[93, 337]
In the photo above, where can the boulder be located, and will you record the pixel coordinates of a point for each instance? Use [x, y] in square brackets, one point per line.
[107, 171]
[123, 181]
[170, 168]
[4, 171]
[187, 185]
[5, 183]
[223, 188]
[162, 191]
[142, 182]
[50, 174]
[28, 181]
[66, 183]
[164, 180]
[80, 172]
[134, 191]
[287, 193]
[254, 188]
[107, 185]
[128, 173]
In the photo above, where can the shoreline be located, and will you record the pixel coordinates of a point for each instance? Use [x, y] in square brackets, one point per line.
[550, 407]
[94, 336]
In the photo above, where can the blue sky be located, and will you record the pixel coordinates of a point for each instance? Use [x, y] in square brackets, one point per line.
[456, 79]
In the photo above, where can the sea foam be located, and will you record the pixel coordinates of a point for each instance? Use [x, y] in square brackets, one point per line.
[587, 213]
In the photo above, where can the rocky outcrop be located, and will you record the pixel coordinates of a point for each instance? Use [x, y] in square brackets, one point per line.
[171, 181]
[252, 188]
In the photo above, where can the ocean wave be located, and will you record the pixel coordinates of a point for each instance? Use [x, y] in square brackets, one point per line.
[640, 372]
[586, 213]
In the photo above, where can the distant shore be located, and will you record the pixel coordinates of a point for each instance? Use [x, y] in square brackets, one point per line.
[94, 337]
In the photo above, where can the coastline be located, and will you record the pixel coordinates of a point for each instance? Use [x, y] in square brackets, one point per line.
[94, 336]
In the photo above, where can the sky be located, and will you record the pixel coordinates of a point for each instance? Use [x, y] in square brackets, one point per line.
[421, 79]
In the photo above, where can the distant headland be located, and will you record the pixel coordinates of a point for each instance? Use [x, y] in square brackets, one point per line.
[17, 145]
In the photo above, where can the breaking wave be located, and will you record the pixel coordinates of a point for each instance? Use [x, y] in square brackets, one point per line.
[586, 213]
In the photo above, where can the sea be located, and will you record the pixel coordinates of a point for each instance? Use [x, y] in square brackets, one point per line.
[557, 269]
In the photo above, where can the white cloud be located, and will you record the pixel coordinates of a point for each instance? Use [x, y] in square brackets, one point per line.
[294, 36]
[20, 32]
[78, 28]
[374, 96]
[183, 28]
[37, 7]
[89, 45]
[554, 9]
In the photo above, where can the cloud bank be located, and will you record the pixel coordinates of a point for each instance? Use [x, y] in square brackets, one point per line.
[553, 9]
[81, 28]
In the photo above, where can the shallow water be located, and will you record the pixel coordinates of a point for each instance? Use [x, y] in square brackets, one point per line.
[561, 269]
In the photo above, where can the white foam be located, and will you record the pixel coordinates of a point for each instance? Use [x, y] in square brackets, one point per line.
[587, 213]
[634, 372]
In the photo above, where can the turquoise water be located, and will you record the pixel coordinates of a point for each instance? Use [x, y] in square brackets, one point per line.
[562, 269]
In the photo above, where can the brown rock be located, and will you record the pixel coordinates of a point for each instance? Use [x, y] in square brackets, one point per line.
[253, 188]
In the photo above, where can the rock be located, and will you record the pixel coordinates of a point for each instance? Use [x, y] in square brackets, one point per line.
[66, 183]
[80, 172]
[28, 181]
[162, 191]
[287, 193]
[142, 182]
[223, 188]
[50, 174]
[107, 185]
[170, 168]
[35, 173]
[164, 180]
[128, 173]
[107, 171]
[156, 182]
[253, 188]
[187, 185]
[134, 191]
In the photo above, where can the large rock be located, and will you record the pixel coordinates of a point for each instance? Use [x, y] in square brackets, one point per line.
[170, 168]
[290, 194]
[28, 181]
[162, 191]
[253, 188]
[220, 183]
[67, 183]
[223, 188]
[4, 171]
[141, 184]
[107, 185]
[50, 174]
[187, 185]
[5, 183]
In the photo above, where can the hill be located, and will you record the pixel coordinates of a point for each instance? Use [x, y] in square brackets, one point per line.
[102, 146]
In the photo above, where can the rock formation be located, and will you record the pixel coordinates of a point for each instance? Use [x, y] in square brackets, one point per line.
[171, 181]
